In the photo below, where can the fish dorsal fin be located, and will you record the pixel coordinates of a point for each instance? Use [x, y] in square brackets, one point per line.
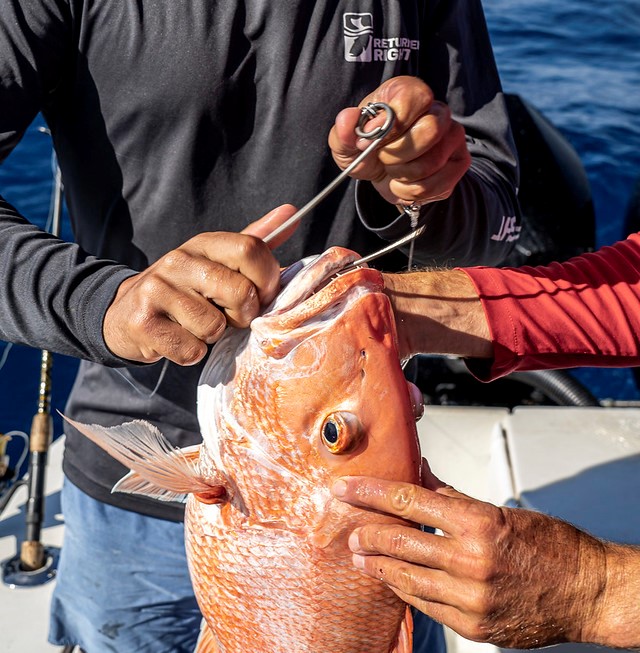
[206, 641]
[404, 642]
[158, 469]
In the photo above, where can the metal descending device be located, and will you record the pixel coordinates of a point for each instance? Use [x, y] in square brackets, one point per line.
[376, 136]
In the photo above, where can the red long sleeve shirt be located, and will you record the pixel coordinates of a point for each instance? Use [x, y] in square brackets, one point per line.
[584, 312]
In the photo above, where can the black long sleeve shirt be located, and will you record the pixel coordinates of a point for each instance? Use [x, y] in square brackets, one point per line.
[173, 118]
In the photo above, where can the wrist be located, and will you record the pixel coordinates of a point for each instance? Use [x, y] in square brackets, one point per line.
[438, 312]
[616, 615]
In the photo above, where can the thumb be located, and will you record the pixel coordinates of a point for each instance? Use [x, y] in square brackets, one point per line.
[272, 220]
[430, 481]
[343, 137]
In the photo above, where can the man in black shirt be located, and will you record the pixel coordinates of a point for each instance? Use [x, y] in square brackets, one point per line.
[175, 125]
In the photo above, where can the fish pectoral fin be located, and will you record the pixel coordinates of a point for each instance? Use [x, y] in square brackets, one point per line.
[134, 483]
[404, 643]
[206, 641]
[158, 469]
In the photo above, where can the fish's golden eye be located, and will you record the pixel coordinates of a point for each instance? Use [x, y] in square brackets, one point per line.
[340, 432]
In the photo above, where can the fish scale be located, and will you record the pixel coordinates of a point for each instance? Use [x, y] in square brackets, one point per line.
[300, 594]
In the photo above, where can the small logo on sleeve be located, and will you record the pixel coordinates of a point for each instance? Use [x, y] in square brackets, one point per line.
[509, 230]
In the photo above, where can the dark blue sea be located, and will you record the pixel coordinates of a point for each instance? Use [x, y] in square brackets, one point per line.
[577, 61]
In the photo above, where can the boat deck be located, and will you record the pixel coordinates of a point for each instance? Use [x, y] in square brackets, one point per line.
[25, 610]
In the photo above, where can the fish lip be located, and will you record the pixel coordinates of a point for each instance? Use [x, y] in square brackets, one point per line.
[348, 281]
[310, 276]
[311, 304]
[340, 274]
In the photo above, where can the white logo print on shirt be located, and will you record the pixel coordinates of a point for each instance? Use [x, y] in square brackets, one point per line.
[358, 36]
[360, 44]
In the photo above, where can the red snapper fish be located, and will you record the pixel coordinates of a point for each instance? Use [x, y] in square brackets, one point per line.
[311, 391]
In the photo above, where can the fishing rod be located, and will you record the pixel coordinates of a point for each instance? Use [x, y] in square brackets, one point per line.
[37, 564]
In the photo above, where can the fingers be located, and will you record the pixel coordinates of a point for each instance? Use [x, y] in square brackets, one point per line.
[454, 600]
[140, 329]
[343, 138]
[269, 222]
[405, 500]
[485, 577]
[428, 161]
[421, 136]
[409, 97]
[236, 271]
[431, 572]
[184, 301]
[425, 154]
[402, 543]
[440, 612]
[411, 580]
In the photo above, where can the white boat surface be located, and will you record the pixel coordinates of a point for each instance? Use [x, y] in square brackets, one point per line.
[25, 609]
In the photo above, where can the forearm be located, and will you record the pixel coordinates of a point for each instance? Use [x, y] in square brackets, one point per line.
[52, 295]
[438, 312]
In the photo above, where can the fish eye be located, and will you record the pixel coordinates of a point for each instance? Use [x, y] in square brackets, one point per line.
[340, 432]
[330, 433]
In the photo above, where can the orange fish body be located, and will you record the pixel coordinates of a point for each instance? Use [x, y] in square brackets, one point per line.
[312, 391]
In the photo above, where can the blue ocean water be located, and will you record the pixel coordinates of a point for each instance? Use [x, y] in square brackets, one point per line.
[577, 61]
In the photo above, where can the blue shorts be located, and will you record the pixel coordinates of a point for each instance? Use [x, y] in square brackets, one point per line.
[428, 636]
[123, 583]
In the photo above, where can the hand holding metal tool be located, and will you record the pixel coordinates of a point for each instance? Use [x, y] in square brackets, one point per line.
[375, 136]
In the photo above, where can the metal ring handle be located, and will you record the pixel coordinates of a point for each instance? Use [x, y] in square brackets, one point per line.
[370, 111]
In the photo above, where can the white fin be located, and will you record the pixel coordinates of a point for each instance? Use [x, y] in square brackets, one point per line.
[159, 470]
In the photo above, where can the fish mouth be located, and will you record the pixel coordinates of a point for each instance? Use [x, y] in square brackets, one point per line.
[322, 274]
[315, 294]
